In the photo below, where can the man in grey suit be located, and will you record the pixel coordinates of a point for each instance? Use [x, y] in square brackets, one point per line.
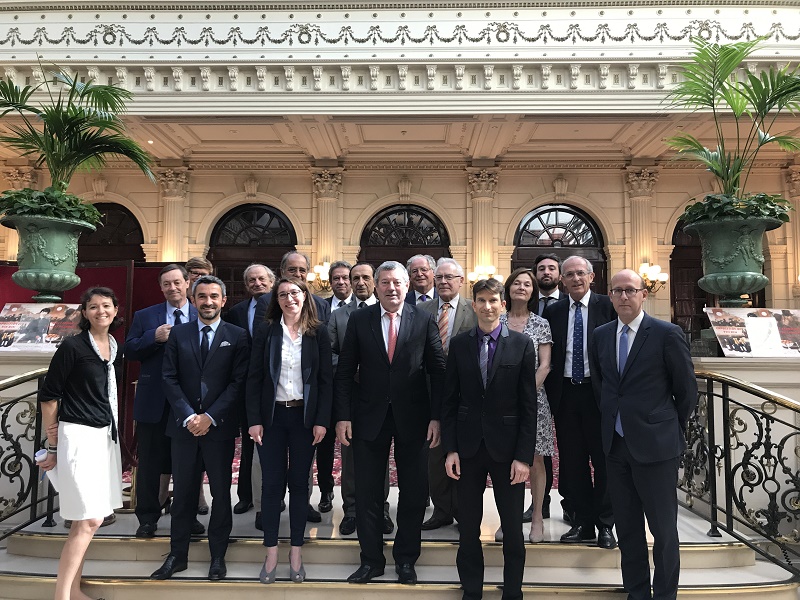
[453, 315]
[644, 380]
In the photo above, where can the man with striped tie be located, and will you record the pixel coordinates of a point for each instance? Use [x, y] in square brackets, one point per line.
[453, 315]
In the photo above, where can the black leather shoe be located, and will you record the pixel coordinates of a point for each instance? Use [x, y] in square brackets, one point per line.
[313, 515]
[347, 526]
[527, 516]
[365, 574]
[242, 507]
[258, 524]
[146, 530]
[567, 518]
[406, 574]
[202, 510]
[198, 528]
[545, 511]
[606, 539]
[578, 533]
[388, 524]
[326, 503]
[217, 570]
[435, 522]
[171, 566]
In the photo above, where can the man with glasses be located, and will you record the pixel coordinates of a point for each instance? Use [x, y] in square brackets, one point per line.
[453, 315]
[644, 378]
[573, 320]
[420, 269]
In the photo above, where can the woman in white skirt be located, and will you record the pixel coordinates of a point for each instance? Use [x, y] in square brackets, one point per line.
[80, 395]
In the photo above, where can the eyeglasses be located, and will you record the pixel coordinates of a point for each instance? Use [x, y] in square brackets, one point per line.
[441, 278]
[571, 274]
[628, 292]
[422, 270]
[295, 294]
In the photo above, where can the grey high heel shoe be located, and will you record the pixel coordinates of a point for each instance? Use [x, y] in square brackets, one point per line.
[265, 577]
[298, 576]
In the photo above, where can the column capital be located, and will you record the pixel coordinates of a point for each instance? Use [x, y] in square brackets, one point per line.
[793, 182]
[327, 182]
[20, 177]
[641, 181]
[174, 182]
[482, 182]
[99, 185]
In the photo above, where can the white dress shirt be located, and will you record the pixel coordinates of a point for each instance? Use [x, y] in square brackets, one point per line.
[369, 301]
[171, 313]
[290, 382]
[418, 295]
[571, 327]
[633, 327]
[385, 325]
[556, 295]
[335, 302]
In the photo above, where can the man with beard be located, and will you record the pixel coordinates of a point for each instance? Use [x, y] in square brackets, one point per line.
[205, 363]
[420, 269]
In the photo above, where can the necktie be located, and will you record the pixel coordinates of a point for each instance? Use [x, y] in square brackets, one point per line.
[623, 358]
[341, 304]
[362, 304]
[178, 316]
[577, 345]
[204, 344]
[424, 298]
[484, 360]
[543, 303]
[392, 337]
[444, 324]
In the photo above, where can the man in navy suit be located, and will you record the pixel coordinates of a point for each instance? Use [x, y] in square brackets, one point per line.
[647, 390]
[573, 320]
[420, 269]
[258, 280]
[205, 365]
[146, 339]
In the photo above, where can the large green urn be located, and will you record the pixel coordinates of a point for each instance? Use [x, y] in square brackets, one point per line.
[733, 256]
[47, 255]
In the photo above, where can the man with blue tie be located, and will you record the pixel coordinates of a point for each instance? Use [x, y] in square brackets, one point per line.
[647, 390]
[420, 269]
[147, 337]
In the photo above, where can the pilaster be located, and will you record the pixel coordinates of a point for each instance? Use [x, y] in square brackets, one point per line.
[19, 178]
[174, 184]
[640, 185]
[327, 192]
[793, 192]
[482, 187]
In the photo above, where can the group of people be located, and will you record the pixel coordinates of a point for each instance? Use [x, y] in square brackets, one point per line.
[461, 387]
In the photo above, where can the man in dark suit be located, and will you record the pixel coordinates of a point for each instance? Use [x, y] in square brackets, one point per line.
[258, 280]
[420, 268]
[569, 389]
[454, 315]
[647, 390]
[395, 349]
[339, 278]
[205, 365]
[146, 339]
[489, 427]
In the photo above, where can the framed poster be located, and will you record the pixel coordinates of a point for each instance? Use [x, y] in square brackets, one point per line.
[761, 332]
[37, 327]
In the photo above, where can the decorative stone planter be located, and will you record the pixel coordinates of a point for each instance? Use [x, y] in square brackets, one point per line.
[733, 256]
[47, 255]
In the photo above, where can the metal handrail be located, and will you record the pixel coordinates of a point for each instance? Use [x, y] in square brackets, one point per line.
[750, 388]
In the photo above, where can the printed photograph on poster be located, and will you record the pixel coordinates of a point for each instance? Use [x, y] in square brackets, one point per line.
[760, 332]
[37, 327]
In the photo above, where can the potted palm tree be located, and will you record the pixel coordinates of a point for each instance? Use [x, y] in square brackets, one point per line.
[731, 222]
[76, 125]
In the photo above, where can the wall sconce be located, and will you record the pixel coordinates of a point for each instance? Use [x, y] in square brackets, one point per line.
[654, 278]
[483, 272]
[317, 278]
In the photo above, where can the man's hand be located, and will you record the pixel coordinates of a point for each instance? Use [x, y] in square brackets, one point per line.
[344, 432]
[452, 465]
[519, 472]
[319, 433]
[434, 433]
[199, 425]
[162, 333]
[256, 433]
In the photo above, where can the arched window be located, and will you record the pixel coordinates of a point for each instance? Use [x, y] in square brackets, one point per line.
[119, 238]
[401, 231]
[562, 230]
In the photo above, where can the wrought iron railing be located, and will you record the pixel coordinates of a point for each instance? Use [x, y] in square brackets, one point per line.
[20, 437]
[741, 468]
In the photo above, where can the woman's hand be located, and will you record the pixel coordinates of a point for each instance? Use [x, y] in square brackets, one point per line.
[256, 433]
[48, 463]
[319, 433]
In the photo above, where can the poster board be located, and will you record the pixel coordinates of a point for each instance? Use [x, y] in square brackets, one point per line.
[31, 327]
[757, 332]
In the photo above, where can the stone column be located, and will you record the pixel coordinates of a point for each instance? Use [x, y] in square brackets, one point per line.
[640, 184]
[19, 178]
[482, 187]
[174, 195]
[793, 192]
[327, 191]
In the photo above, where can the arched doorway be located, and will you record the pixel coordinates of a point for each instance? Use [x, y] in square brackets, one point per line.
[246, 234]
[119, 238]
[562, 230]
[401, 231]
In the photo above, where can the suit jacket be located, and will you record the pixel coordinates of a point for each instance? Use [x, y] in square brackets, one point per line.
[600, 311]
[237, 315]
[141, 345]
[403, 383]
[323, 309]
[265, 371]
[213, 388]
[503, 414]
[330, 299]
[337, 327]
[464, 316]
[655, 394]
[411, 297]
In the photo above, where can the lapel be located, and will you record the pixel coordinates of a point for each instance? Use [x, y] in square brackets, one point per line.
[638, 342]
[561, 320]
[590, 312]
[218, 337]
[502, 340]
[377, 330]
[192, 312]
[275, 341]
[306, 357]
[406, 323]
[472, 356]
[459, 316]
[194, 341]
